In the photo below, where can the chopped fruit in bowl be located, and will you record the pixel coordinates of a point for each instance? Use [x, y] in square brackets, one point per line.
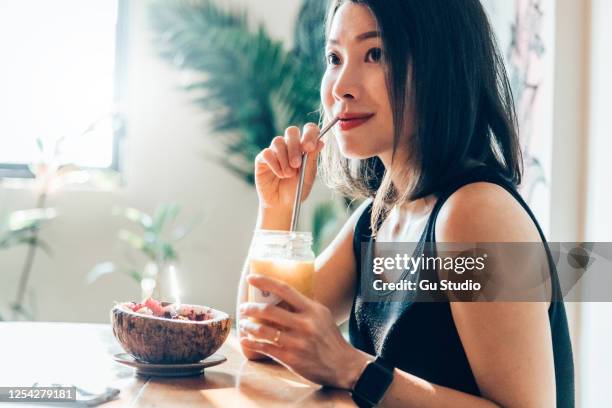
[152, 307]
[159, 332]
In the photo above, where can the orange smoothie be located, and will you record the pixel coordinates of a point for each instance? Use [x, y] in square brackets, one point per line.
[298, 274]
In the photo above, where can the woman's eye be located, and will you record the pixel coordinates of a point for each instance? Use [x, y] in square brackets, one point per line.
[332, 59]
[374, 55]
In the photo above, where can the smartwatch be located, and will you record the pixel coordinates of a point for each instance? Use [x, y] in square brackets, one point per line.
[373, 383]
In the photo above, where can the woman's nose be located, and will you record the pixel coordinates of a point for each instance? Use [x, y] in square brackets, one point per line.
[346, 85]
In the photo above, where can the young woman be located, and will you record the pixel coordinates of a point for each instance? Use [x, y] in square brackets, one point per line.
[427, 133]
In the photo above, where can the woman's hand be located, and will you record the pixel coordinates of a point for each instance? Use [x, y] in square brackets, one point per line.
[309, 342]
[277, 167]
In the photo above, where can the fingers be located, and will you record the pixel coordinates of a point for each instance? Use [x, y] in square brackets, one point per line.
[282, 290]
[292, 138]
[263, 332]
[312, 161]
[312, 146]
[268, 340]
[260, 331]
[270, 313]
[309, 137]
[269, 157]
[285, 154]
[271, 350]
[279, 147]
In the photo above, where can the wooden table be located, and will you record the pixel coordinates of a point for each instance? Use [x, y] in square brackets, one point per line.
[81, 354]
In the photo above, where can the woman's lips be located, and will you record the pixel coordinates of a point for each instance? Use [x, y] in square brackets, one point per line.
[350, 122]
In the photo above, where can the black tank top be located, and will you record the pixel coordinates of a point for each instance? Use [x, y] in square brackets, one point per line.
[421, 338]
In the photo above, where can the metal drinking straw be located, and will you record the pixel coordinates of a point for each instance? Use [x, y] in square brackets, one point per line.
[298, 192]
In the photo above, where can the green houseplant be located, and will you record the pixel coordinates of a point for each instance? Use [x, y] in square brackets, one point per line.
[155, 242]
[52, 171]
[22, 227]
[251, 83]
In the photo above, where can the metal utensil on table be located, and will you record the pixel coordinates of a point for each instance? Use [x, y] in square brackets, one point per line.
[298, 192]
[85, 398]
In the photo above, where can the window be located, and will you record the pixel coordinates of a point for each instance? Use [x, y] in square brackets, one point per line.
[59, 77]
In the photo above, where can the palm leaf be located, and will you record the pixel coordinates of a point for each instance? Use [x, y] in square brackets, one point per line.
[137, 216]
[22, 227]
[165, 213]
[253, 87]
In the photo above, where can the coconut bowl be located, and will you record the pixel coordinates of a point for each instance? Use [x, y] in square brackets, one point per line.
[159, 340]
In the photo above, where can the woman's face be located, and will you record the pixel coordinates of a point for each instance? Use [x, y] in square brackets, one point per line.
[354, 86]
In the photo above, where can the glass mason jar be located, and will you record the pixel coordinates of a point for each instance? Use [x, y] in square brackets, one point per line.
[283, 255]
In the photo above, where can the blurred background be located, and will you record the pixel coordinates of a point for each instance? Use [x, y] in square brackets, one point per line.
[128, 131]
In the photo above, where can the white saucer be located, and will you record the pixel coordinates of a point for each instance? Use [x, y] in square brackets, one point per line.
[169, 370]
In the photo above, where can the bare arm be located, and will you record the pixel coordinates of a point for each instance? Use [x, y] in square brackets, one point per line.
[276, 176]
[508, 345]
[334, 284]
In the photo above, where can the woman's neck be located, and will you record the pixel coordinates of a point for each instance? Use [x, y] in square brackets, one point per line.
[400, 169]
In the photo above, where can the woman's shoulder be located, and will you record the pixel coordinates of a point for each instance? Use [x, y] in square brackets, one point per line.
[360, 218]
[484, 212]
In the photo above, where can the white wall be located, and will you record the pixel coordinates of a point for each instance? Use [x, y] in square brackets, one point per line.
[581, 190]
[163, 161]
[569, 143]
[597, 317]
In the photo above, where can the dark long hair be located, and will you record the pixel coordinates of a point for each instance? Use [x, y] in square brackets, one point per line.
[463, 104]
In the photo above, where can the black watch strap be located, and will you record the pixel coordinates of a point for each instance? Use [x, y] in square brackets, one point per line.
[373, 383]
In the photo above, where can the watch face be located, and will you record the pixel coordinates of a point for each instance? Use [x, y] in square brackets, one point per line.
[373, 383]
